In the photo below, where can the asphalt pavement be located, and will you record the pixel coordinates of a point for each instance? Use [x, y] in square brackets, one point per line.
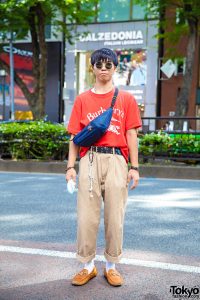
[38, 241]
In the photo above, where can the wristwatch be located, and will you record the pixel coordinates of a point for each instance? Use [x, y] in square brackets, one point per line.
[134, 168]
[67, 169]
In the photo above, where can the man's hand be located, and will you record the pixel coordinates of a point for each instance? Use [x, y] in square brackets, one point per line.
[71, 174]
[133, 175]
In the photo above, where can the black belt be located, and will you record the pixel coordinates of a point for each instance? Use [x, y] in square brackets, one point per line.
[109, 150]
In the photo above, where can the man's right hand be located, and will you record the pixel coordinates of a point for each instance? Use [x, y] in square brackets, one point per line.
[71, 174]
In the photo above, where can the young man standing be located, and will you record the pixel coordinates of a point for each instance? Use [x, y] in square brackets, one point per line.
[106, 175]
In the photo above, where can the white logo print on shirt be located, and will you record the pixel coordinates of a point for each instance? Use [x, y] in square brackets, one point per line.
[113, 119]
[114, 129]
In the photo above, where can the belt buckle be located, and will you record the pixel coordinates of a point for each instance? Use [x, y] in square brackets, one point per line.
[113, 149]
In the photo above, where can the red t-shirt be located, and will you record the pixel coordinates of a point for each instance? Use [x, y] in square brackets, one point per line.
[89, 105]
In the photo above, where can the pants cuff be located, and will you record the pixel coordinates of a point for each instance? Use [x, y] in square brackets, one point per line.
[113, 259]
[85, 259]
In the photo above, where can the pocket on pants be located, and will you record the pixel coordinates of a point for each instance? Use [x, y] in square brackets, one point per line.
[123, 162]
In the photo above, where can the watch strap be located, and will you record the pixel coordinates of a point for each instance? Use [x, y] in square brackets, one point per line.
[134, 168]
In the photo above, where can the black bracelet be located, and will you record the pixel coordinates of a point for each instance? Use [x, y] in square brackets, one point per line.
[69, 168]
[134, 168]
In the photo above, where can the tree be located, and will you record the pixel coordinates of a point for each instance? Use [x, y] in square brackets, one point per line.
[31, 16]
[178, 18]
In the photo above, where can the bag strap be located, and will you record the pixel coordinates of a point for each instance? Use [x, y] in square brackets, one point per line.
[114, 97]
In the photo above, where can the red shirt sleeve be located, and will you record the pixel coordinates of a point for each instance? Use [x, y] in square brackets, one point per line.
[133, 119]
[74, 125]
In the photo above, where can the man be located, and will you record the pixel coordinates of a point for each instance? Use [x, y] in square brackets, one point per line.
[103, 171]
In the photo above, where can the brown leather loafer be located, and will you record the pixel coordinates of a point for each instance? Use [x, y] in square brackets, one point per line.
[83, 277]
[113, 277]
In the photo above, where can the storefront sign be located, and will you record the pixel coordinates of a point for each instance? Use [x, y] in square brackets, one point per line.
[124, 35]
[18, 51]
[134, 37]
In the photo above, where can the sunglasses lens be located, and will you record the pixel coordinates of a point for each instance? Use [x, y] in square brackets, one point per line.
[99, 65]
[108, 65]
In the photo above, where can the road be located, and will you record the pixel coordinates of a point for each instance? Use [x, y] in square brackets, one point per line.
[38, 241]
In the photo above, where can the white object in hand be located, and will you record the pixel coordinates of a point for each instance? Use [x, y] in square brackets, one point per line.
[71, 186]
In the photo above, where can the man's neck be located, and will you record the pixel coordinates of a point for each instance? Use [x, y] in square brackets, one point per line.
[100, 88]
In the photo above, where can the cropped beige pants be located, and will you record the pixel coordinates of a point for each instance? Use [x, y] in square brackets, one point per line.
[110, 185]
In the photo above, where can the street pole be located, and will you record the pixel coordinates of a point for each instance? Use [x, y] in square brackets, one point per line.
[12, 99]
[3, 82]
[4, 99]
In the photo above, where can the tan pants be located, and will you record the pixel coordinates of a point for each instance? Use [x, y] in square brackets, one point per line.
[110, 184]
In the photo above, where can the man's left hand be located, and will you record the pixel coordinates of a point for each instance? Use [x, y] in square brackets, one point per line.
[133, 175]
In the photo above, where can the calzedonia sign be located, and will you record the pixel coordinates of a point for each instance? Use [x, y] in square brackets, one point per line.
[129, 37]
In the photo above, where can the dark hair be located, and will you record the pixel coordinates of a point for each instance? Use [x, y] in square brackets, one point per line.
[104, 54]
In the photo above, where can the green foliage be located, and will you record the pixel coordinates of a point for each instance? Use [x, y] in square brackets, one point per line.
[185, 144]
[185, 9]
[44, 141]
[21, 17]
[14, 14]
[154, 143]
[163, 144]
[177, 18]
[34, 140]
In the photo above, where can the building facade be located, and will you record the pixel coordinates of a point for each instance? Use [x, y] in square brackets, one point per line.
[22, 53]
[170, 86]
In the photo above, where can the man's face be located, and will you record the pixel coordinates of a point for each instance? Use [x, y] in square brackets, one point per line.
[104, 70]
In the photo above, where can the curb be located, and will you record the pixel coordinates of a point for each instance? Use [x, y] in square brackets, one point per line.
[156, 171]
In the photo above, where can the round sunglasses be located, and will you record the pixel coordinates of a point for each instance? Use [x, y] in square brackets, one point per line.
[108, 65]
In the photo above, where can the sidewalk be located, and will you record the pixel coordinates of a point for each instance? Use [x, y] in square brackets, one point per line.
[48, 277]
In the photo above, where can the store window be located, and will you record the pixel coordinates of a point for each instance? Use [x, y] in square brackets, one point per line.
[114, 10]
[131, 69]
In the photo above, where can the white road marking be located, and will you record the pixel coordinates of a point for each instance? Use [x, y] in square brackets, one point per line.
[127, 261]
